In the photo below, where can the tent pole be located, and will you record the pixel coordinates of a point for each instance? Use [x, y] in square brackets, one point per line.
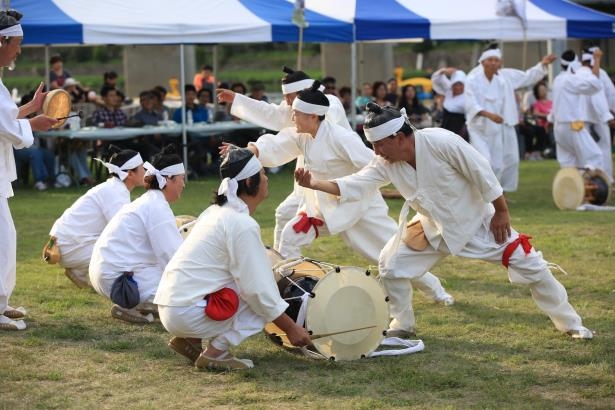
[182, 86]
[47, 68]
[353, 82]
[214, 57]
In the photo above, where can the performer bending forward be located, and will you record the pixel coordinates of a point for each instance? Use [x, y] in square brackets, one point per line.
[460, 208]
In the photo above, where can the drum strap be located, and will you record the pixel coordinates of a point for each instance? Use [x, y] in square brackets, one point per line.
[522, 240]
[306, 222]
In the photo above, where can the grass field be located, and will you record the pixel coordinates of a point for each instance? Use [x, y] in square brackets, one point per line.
[492, 349]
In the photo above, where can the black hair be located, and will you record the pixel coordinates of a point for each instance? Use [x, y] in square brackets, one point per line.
[492, 46]
[568, 55]
[241, 85]
[293, 76]
[377, 115]
[376, 85]
[105, 90]
[536, 87]
[208, 67]
[314, 96]
[163, 159]
[414, 107]
[205, 90]
[109, 75]
[345, 91]
[9, 18]
[189, 87]
[55, 59]
[160, 89]
[232, 164]
[117, 156]
[146, 94]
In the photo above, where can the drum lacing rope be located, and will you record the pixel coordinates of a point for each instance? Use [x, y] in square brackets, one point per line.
[555, 266]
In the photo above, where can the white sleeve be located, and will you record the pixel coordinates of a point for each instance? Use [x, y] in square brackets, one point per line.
[163, 236]
[363, 183]
[252, 273]
[271, 116]
[520, 79]
[278, 149]
[440, 82]
[351, 147]
[336, 113]
[472, 103]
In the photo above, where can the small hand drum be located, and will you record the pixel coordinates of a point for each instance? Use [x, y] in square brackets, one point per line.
[184, 224]
[574, 187]
[346, 313]
[57, 104]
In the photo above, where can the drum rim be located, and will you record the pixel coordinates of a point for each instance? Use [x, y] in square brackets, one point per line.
[51, 95]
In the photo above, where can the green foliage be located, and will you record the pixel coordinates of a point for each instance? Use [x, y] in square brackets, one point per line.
[492, 349]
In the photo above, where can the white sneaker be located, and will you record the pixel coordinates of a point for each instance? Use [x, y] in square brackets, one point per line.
[445, 299]
[582, 333]
[10, 324]
[40, 186]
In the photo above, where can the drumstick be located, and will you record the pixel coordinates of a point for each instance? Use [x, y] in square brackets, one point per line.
[321, 335]
[79, 114]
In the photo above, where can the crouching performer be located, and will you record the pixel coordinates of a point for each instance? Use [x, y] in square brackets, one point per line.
[460, 211]
[219, 285]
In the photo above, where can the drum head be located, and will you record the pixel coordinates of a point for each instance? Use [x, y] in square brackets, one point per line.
[568, 189]
[346, 300]
[181, 220]
[57, 104]
[300, 271]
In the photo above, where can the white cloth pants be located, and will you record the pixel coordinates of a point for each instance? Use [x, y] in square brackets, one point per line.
[8, 254]
[606, 146]
[531, 270]
[576, 149]
[283, 214]
[368, 236]
[501, 149]
[191, 321]
[76, 257]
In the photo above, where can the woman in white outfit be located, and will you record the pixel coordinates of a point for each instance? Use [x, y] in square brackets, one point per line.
[77, 230]
[141, 238]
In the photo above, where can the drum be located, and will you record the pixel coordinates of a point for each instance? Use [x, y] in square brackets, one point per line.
[573, 187]
[184, 224]
[345, 309]
[57, 104]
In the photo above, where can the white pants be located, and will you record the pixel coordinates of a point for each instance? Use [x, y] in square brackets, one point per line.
[191, 321]
[76, 257]
[576, 149]
[531, 270]
[368, 236]
[283, 214]
[147, 280]
[8, 254]
[605, 144]
[501, 148]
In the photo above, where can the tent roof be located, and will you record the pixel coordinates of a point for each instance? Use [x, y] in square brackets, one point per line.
[242, 21]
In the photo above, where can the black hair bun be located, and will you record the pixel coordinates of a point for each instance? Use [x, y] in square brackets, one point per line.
[169, 149]
[315, 85]
[288, 70]
[373, 107]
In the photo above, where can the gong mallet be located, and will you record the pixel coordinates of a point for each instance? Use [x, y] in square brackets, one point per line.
[78, 114]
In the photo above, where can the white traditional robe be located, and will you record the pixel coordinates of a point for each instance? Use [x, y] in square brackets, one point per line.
[14, 133]
[141, 238]
[600, 114]
[80, 225]
[443, 86]
[571, 100]
[498, 142]
[277, 117]
[451, 190]
[224, 249]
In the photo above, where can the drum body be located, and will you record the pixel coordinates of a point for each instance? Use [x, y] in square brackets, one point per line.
[574, 187]
[184, 224]
[57, 104]
[346, 311]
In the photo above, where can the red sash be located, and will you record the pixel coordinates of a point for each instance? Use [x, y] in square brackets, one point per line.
[306, 222]
[522, 240]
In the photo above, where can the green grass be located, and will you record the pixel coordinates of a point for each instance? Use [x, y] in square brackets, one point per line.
[492, 349]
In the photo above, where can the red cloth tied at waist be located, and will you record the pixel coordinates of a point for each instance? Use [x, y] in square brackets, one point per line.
[222, 304]
[522, 240]
[306, 222]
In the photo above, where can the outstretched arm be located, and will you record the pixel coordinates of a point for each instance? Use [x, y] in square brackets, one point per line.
[304, 178]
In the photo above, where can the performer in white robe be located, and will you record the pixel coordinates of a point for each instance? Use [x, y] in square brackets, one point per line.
[224, 257]
[331, 151]
[491, 112]
[276, 117]
[450, 82]
[76, 231]
[141, 238]
[572, 90]
[460, 211]
[600, 111]
[15, 132]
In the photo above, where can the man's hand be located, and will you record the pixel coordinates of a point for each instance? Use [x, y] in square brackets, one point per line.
[42, 122]
[493, 117]
[39, 98]
[303, 177]
[298, 336]
[548, 59]
[225, 148]
[500, 226]
[225, 96]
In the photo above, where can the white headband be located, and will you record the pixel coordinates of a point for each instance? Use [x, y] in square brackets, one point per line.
[492, 52]
[297, 86]
[565, 63]
[588, 57]
[458, 77]
[176, 169]
[387, 129]
[121, 171]
[308, 108]
[229, 186]
[13, 31]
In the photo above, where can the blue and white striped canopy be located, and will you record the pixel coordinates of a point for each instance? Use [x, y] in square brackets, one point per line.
[341, 21]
